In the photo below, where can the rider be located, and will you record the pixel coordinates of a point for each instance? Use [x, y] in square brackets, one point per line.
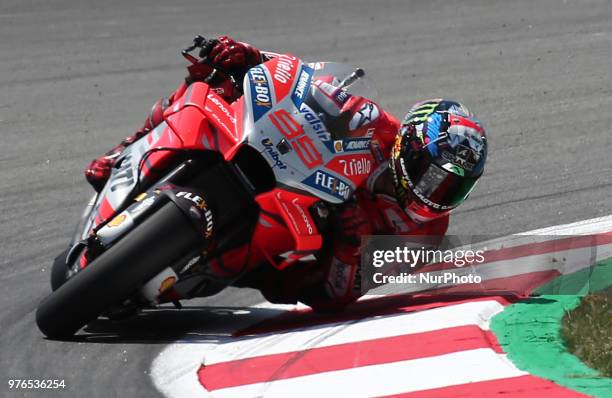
[423, 168]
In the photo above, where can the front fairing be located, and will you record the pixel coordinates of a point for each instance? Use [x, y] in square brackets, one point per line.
[291, 136]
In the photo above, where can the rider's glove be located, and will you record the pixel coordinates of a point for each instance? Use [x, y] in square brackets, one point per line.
[351, 224]
[233, 55]
[99, 169]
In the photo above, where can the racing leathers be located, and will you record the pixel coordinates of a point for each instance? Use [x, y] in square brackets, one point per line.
[332, 280]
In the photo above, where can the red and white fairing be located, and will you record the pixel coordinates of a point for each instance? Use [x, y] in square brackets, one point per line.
[309, 164]
[296, 143]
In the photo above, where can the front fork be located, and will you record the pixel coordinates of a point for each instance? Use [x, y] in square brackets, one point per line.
[209, 193]
[191, 202]
[193, 206]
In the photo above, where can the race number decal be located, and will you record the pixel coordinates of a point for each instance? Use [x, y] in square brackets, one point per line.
[301, 142]
[287, 125]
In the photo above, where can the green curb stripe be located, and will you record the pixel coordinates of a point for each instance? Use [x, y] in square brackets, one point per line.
[530, 333]
[588, 280]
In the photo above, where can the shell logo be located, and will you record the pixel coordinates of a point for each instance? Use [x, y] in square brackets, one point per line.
[117, 221]
[167, 284]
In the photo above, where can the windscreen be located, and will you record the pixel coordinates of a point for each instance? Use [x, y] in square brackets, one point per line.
[363, 87]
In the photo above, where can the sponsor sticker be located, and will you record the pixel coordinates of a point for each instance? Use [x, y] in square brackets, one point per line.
[195, 199]
[303, 86]
[453, 169]
[215, 100]
[338, 279]
[330, 184]
[366, 115]
[272, 153]
[355, 166]
[202, 206]
[285, 65]
[167, 284]
[209, 223]
[358, 144]
[117, 221]
[421, 112]
[124, 177]
[464, 158]
[303, 215]
[341, 96]
[316, 123]
[261, 97]
[142, 206]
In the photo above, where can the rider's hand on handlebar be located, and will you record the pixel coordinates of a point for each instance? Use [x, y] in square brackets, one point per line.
[351, 224]
[99, 170]
[230, 54]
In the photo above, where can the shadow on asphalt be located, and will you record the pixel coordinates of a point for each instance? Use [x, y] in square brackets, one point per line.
[380, 306]
[205, 324]
[170, 325]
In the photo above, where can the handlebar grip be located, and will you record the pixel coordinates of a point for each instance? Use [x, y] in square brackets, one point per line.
[352, 78]
[209, 44]
[198, 42]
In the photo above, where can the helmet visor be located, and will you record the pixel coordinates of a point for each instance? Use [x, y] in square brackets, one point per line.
[437, 187]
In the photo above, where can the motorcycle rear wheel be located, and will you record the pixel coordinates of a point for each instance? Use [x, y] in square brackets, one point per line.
[166, 236]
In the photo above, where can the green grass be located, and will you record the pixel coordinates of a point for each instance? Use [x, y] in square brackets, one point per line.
[587, 331]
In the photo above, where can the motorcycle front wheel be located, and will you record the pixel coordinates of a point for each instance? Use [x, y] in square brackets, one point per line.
[163, 238]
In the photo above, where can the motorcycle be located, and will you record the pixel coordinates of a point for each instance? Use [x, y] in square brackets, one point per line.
[213, 185]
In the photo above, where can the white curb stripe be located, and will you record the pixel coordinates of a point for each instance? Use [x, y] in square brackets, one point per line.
[385, 379]
[174, 370]
[585, 227]
[474, 313]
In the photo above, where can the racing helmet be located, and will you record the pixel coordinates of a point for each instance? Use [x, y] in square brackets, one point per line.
[439, 154]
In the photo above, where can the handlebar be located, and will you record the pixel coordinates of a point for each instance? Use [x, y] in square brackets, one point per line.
[205, 46]
[352, 78]
[198, 42]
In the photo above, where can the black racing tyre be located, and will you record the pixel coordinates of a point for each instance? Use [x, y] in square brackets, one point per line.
[59, 270]
[163, 238]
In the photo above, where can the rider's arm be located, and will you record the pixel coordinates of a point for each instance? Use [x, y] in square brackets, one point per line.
[340, 282]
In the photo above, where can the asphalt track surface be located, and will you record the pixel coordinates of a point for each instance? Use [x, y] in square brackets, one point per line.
[77, 76]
